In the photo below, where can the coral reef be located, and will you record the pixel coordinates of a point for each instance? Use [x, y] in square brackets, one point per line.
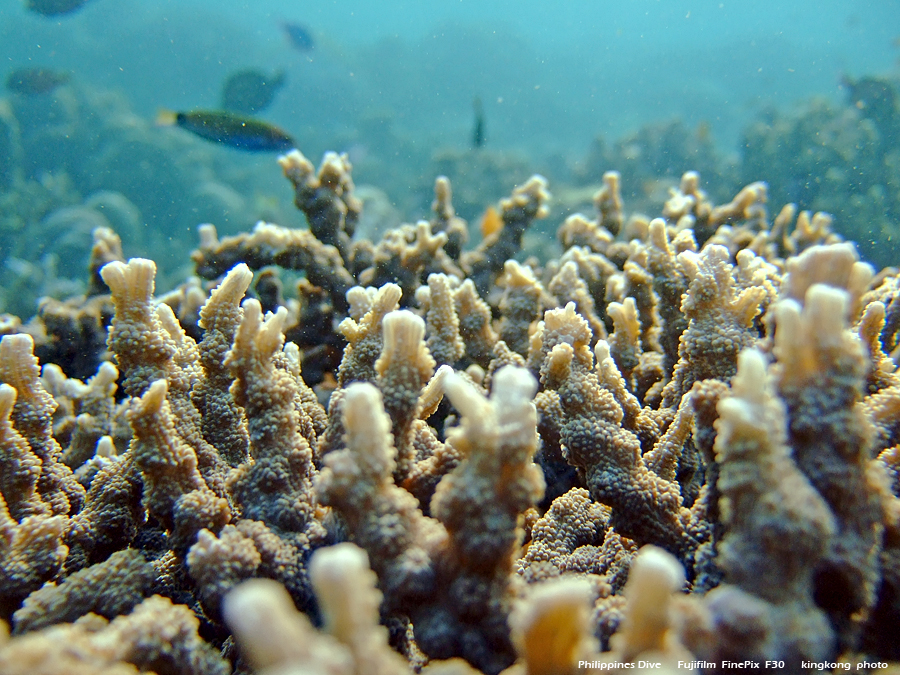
[83, 159]
[675, 442]
[841, 159]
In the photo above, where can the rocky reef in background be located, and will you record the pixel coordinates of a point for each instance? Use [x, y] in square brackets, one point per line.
[78, 159]
[677, 440]
[843, 160]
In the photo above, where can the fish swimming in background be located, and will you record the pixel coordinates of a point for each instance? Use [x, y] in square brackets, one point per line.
[33, 81]
[704, 132]
[491, 222]
[235, 131]
[478, 129]
[298, 35]
[250, 91]
[53, 7]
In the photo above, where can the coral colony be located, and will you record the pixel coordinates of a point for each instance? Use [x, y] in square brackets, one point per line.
[674, 448]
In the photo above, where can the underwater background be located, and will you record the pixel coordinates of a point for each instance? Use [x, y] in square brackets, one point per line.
[737, 91]
[372, 395]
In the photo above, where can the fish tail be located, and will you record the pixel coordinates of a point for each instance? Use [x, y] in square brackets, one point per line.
[166, 118]
[491, 222]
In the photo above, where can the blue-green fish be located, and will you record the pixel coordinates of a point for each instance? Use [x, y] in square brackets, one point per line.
[250, 91]
[236, 131]
[478, 129]
[53, 7]
[32, 81]
[298, 35]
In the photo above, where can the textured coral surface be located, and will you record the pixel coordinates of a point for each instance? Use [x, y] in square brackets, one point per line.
[679, 441]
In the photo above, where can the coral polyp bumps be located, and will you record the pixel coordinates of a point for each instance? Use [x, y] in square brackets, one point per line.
[677, 441]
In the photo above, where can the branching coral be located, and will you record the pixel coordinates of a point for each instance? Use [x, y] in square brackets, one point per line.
[275, 486]
[777, 526]
[222, 418]
[645, 449]
[646, 507]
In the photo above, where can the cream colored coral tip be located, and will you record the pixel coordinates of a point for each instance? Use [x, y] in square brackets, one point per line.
[403, 319]
[515, 378]
[361, 394]
[654, 565]
[17, 343]
[249, 603]
[333, 564]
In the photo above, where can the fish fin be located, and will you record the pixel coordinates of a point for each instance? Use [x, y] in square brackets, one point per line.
[491, 222]
[166, 118]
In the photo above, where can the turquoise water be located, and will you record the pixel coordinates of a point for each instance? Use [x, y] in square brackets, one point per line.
[552, 74]
[392, 84]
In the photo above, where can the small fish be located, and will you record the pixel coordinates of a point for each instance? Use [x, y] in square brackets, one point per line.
[491, 222]
[250, 91]
[704, 132]
[53, 7]
[32, 81]
[478, 129]
[298, 35]
[235, 131]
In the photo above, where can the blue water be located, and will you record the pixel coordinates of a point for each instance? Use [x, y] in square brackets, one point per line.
[392, 84]
[551, 74]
